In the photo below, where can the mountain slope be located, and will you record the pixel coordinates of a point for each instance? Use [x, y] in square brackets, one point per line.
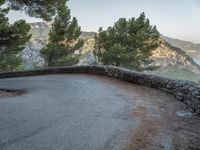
[173, 61]
[190, 48]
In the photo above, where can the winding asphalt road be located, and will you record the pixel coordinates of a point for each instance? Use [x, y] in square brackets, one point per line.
[79, 112]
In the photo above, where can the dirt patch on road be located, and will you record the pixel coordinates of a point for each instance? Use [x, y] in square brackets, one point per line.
[4, 93]
[165, 123]
[143, 133]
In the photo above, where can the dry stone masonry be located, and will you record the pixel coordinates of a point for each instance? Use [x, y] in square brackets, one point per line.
[185, 91]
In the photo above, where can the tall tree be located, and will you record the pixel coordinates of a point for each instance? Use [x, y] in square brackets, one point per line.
[12, 40]
[128, 43]
[63, 39]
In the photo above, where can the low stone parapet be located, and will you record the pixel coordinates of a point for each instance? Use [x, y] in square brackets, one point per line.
[185, 91]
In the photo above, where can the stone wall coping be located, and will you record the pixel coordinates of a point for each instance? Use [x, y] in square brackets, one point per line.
[185, 91]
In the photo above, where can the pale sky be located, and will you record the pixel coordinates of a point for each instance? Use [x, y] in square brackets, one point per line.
[175, 18]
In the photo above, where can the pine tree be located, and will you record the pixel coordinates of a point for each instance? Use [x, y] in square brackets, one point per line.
[12, 40]
[45, 9]
[63, 39]
[128, 43]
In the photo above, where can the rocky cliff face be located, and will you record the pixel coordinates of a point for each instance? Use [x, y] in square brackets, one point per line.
[167, 55]
[31, 54]
[174, 63]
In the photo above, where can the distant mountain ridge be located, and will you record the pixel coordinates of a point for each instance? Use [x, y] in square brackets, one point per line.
[190, 48]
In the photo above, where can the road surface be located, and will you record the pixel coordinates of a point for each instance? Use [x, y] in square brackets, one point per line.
[86, 112]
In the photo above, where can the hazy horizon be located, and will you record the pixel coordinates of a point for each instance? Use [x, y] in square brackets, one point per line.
[174, 18]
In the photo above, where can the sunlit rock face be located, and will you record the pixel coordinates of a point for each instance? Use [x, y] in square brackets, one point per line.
[87, 58]
[191, 49]
[167, 55]
[88, 46]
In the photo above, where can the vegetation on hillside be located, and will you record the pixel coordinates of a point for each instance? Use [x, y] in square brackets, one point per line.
[63, 39]
[13, 38]
[128, 43]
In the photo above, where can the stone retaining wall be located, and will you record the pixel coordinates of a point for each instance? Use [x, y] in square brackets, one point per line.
[185, 91]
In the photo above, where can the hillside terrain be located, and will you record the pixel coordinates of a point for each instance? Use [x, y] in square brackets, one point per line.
[174, 62]
[190, 48]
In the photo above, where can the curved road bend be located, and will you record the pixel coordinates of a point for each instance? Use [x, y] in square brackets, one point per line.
[85, 112]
